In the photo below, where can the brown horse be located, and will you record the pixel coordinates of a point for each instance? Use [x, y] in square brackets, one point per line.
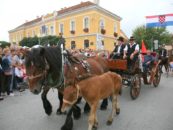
[92, 90]
[44, 68]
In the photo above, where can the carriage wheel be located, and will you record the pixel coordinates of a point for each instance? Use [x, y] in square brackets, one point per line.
[156, 79]
[167, 71]
[135, 86]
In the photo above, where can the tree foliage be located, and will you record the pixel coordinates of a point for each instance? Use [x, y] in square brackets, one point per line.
[4, 44]
[151, 34]
[31, 41]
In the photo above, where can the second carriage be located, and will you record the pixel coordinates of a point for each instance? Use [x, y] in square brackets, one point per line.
[134, 75]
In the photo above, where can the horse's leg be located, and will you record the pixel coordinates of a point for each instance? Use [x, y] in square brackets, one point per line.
[111, 116]
[117, 106]
[95, 121]
[91, 120]
[76, 112]
[46, 104]
[68, 125]
[104, 104]
[60, 96]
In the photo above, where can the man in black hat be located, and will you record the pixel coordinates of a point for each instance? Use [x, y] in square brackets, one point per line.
[118, 51]
[131, 52]
[163, 57]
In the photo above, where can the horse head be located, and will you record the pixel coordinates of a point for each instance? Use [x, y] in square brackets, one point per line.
[36, 68]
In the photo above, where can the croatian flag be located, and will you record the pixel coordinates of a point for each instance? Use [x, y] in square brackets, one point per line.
[159, 20]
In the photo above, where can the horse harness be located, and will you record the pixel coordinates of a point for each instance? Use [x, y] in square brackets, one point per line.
[77, 96]
[68, 61]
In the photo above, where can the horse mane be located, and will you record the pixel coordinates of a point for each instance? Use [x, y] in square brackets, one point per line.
[51, 54]
[54, 58]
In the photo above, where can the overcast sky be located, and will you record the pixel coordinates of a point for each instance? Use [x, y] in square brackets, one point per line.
[16, 12]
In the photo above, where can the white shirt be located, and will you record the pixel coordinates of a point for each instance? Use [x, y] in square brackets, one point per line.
[136, 48]
[119, 47]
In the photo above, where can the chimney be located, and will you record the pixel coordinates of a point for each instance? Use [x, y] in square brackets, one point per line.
[97, 2]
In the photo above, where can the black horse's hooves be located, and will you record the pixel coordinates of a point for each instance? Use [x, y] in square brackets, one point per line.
[109, 122]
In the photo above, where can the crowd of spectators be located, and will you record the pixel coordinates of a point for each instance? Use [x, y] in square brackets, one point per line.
[12, 71]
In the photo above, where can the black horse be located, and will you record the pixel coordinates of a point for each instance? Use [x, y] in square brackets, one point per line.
[44, 68]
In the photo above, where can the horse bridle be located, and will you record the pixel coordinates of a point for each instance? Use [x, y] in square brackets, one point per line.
[44, 73]
[73, 102]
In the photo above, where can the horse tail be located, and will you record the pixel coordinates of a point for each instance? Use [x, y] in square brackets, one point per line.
[118, 82]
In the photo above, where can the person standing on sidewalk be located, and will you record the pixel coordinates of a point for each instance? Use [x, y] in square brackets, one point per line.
[1, 74]
[7, 72]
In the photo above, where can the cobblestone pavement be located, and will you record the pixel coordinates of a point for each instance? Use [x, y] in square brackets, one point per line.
[153, 110]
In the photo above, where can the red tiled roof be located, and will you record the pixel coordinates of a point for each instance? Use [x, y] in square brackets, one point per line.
[75, 7]
[62, 11]
[30, 22]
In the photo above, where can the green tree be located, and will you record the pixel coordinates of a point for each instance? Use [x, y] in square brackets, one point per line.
[31, 41]
[151, 34]
[3, 44]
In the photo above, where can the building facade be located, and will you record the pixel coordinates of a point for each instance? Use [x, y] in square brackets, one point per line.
[86, 25]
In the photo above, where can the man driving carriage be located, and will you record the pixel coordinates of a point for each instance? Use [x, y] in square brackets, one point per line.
[163, 56]
[131, 52]
[118, 51]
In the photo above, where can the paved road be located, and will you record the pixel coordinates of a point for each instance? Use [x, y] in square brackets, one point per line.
[153, 110]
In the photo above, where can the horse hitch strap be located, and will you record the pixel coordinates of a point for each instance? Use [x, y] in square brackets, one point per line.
[73, 102]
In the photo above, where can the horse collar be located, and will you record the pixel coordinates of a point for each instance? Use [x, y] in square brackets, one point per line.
[73, 102]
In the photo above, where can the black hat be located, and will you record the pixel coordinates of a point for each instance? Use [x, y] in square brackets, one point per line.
[121, 39]
[132, 38]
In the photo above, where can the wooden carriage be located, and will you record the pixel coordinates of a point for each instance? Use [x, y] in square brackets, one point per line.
[132, 77]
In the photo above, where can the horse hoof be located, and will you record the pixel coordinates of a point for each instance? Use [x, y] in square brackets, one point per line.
[94, 127]
[109, 122]
[96, 124]
[118, 111]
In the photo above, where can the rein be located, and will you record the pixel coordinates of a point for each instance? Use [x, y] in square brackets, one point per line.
[36, 76]
[73, 102]
[41, 74]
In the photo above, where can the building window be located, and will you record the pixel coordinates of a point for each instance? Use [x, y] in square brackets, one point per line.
[115, 27]
[52, 30]
[72, 25]
[46, 31]
[73, 44]
[43, 29]
[86, 44]
[61, 28]
[102, 24]
[33, 33]
[28, 35]
[86, 23]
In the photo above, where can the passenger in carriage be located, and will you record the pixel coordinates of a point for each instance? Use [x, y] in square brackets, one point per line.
[118, 51]
[148, 60]
[131, 52]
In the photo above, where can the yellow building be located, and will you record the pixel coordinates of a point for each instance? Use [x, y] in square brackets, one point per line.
[86, 25]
